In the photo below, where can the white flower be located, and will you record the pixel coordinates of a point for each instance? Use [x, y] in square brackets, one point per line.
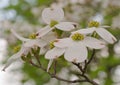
[103, 33]
[17, 56]
[74, 48]
[27, 45]
[29, 42]
[53, 17]
[37, 42]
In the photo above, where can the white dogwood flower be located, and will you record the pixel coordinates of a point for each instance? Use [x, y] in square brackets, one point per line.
[17, 56]
[27, 45]
[74, 48]
[53, 17]
[103, 33]
[42, 42]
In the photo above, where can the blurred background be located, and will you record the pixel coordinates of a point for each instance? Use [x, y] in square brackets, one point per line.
[25, 17]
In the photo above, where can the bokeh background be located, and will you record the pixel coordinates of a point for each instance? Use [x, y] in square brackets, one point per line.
[25, 17]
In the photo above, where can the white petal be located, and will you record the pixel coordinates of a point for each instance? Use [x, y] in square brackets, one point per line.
[54, 53]
[49, 37]
[105, 26]
[43, 50]
[85, 31]
[49, 65]
[35, 42]
[66, 26]
[14, 58]
[93, 43]
[11, 60]
[76, 53]
[63, 43]
[43, 31]
[107, 36]
[18, 36]
[49, 14]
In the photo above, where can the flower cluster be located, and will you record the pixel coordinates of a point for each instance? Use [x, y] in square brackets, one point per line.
[53, 45]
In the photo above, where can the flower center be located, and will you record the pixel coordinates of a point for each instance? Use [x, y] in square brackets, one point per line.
[93, 24]
[51, 44]
[77, 37]
[16, 48]
[32, 36]
[53, 23]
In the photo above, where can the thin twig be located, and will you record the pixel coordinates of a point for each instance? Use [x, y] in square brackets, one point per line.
[89, 61]
[69, 81]
[83, 70]
[78, 65]
[84, 75]
[55, 64]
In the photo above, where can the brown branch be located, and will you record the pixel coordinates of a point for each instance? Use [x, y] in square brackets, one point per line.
[78, 65]
[37, 57]
[55, 64]
[53, 75]
[89, 61]
[84, 76]
[83, 70]
[56, 77]
[69, 81]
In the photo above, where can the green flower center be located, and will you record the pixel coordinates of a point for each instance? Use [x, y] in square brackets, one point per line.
[32, 36]
[93, 24]
[51, 44]
[77, 37]
[53, 23]
[16, 48]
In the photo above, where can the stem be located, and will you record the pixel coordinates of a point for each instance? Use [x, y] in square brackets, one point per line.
[55, 64]
[89, 61]
[83, 70]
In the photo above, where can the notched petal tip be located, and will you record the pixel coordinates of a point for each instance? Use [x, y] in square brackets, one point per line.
[5, 67]
[114, 39]
[3, 70]
[75, 24]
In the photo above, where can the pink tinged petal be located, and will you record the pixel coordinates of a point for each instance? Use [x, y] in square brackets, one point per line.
[18, 36]
[43, 31]
[66, 26]
[49, 14]
[93, 43]
[77, 53]
[63, 43]
[85, 31]
[107, 36]
[49, 65]
[54, 53]
[35, 42]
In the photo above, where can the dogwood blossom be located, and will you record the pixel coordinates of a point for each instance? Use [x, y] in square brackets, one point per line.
[27, 45]
[74, 48]
[53, 17]
[103, 33]
[17, 56]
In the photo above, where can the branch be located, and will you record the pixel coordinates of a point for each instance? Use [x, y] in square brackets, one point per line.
[89, 61]
[83, 70]
[55, 64]
[54, 76]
